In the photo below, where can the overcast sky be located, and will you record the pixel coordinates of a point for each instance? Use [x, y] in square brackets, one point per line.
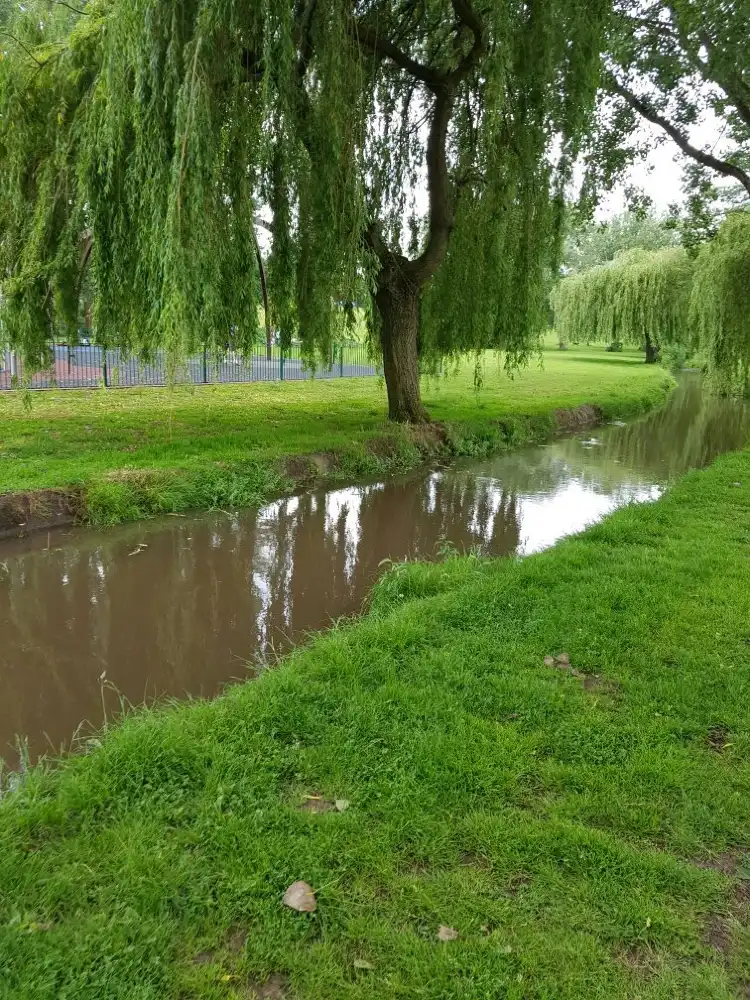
[660, 176]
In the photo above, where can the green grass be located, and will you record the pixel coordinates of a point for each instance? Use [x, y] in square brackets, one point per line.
[143, 451]
[559, 827]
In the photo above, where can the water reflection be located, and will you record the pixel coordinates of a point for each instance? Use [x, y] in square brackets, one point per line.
[184, 606]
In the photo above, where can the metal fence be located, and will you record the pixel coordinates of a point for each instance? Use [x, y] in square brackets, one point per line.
[88, 366]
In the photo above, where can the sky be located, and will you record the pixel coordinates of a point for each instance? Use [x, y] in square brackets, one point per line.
[660, 175]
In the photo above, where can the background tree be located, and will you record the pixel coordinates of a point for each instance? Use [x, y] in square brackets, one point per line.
[675, 63]
[591, 243]
[410, 141]
[720, 305]
[640, 298]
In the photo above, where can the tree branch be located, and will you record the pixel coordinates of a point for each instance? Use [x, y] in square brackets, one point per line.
[468, 17]
[732, 84]
[438, 179]
[76, 10]
[371, 39]
[303, 41]
[443, 86]
[678, 137]
[29, 53]
[438, 188]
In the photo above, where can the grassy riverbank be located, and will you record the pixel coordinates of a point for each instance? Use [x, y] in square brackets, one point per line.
[135, 452]
[585, 832]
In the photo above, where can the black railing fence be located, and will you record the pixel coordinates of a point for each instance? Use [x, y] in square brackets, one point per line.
[88, 366]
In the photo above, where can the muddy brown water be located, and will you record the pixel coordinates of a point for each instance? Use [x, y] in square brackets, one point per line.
[183, 606]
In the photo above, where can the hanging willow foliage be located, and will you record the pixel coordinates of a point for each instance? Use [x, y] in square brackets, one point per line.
[388, 141]
[720, 304]
[640, 297]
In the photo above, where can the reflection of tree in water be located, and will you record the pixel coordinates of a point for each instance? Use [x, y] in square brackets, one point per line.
[317, 556]
[186, 612]
[688, 433]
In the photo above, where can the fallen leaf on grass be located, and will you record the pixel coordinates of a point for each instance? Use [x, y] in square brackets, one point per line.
[447, 933]
[300, 897]
[360, 963]
[342, 805]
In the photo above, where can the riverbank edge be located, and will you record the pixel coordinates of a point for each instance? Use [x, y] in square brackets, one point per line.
[132, 494]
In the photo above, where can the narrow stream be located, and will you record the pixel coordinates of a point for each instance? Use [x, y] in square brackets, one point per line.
[182, 606]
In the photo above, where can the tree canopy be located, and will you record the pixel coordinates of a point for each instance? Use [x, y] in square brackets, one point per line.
[673, 63]
[641, 297]
[593, 243]
[420, 146]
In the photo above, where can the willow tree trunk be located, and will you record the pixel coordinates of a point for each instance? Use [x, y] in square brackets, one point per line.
[398, 305]
[652, 351]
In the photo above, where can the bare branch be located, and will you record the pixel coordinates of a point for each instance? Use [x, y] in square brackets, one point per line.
[438, 187]
[76, 10]
[444, 87]
[681, 140]
[376, 43]
[467, 16]
[18, 42]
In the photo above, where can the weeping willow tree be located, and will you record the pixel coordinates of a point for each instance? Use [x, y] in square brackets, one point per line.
[642, 297]
[418, 147]
[720, 304]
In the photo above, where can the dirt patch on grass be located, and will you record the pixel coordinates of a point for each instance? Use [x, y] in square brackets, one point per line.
[640, 960]
[596, 684]
[726, 863]
[22, 513]
[274, 988]
[236, 940]
[470, 860]
[717, 934]
[429, 438]
[517, 884]
[384, 447]
[204, 957]
[304, 470]
[578, 417]
[717, 738]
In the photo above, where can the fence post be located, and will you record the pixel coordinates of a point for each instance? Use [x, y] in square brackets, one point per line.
[341, 362]
[205, 364]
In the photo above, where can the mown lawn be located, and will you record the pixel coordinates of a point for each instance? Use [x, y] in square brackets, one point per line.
[75, 437]
[584, 831]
